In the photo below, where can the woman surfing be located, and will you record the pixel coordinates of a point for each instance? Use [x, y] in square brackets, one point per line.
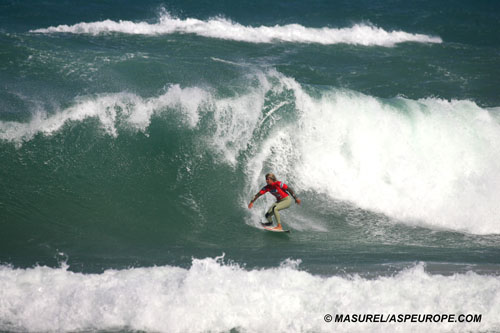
[281, 192]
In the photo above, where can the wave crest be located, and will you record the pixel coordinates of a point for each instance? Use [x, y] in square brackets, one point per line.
[222, 28]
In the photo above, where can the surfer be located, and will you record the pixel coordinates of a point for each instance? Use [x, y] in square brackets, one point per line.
[281, 191]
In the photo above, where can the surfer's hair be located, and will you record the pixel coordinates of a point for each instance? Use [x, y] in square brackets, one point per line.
[272, 176]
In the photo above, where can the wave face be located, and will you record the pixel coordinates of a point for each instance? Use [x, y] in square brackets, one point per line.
[214, 296]
[221, 28]
[428, 162]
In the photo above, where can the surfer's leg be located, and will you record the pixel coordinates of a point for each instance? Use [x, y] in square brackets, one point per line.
[270, 213]
[283, 204]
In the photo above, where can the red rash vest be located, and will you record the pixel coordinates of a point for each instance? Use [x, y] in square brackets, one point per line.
[277, 189]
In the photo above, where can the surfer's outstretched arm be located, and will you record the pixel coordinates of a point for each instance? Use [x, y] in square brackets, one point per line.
[250, 205]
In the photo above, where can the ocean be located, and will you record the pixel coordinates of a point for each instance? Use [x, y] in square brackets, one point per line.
[133, 135]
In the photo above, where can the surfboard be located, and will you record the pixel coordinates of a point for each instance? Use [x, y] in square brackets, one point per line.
[269, 228]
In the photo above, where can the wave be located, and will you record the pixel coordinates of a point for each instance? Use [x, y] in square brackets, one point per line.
[215, 296]
[234, 117]
[428, 162]
[110, 109]
[222, 28]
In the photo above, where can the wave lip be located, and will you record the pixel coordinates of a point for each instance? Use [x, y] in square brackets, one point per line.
[110, 110]
[222, 28]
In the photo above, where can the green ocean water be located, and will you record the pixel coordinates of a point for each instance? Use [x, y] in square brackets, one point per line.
[133, 136]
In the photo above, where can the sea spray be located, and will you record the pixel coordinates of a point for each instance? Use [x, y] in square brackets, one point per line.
[129, 110]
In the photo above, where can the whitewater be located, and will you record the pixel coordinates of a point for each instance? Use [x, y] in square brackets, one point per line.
[222, 28]
[214, 295]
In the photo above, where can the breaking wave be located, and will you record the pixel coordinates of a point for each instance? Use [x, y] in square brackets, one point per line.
[215, 296]
[222, 28]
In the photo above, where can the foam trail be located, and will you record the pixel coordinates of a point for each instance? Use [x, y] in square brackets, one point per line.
[358, 34]
[213, 296]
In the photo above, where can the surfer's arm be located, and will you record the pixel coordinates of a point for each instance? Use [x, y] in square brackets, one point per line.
[250, 205]
[292, 193]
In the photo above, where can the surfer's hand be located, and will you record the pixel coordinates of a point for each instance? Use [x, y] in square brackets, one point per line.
[250, 205]
[297, 201]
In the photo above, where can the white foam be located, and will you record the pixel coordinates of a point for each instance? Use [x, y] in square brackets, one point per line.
[217, 297]
[429, 162]
[236, 119]
[222, 28]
